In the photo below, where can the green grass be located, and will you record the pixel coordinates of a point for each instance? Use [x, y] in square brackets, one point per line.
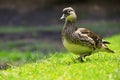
[61, 66]
[9, 59]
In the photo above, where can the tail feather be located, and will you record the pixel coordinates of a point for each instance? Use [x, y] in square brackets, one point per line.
[105, 42]
[109, 50]
[105, 48]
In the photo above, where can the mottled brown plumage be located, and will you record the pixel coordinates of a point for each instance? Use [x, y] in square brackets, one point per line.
[80, 41]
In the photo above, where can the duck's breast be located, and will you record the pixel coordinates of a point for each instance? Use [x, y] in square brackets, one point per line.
[76, 48]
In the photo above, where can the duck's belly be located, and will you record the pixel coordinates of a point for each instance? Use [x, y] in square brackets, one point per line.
[76, 49]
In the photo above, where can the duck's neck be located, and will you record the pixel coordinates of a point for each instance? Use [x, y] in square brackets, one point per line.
[69, 28]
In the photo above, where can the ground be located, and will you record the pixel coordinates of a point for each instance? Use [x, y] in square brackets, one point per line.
[59, 66]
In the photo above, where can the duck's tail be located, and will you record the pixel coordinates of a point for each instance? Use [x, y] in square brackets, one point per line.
[105, 48]
[109, 50]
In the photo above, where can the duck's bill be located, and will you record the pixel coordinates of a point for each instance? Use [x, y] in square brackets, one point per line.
[63, 17]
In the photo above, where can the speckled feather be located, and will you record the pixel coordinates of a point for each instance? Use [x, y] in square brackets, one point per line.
[80, 40]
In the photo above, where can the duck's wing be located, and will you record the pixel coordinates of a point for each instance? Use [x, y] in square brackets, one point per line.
[88, 37]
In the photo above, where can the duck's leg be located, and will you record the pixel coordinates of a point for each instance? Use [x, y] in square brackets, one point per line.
[80, 58]
[83, 56]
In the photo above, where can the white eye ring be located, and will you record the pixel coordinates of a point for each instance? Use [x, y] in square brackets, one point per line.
[69, 11]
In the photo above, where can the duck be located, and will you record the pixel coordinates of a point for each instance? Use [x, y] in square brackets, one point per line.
[80, 41]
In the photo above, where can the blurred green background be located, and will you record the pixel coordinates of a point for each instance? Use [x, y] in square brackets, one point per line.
[35, 26]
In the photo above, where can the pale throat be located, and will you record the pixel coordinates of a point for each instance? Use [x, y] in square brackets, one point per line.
[70, 22]
[71, 18]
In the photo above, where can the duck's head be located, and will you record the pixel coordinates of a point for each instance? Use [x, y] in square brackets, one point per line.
[69, 14]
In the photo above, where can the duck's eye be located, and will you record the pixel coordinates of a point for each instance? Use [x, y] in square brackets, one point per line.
[69, 11]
